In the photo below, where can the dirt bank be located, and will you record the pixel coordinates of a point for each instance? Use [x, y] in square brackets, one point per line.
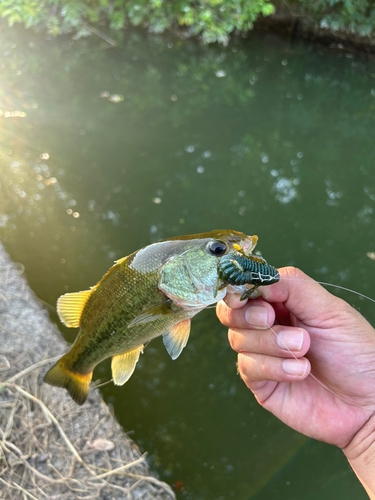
[50, 448]
[293, 23]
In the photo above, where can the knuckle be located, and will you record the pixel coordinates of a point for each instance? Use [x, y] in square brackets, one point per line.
[222, 311]
[231, 338]
[291, 272]
[233, 318]
[243, 371]
[343, 307]
[243, 365]
[251, 367]
[234, 340]
[263, 342]
[219, 309]
[263, 366]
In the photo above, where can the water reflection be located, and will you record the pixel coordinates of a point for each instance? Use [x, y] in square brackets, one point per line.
[286, 189]
[123, 147]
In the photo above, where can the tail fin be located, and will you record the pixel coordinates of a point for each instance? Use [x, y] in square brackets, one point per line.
[77, 384]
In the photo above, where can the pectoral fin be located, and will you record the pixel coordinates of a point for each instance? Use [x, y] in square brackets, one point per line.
[123, 365]
[152, 313]
[177, 338]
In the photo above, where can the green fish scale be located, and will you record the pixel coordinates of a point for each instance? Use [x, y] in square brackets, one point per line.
[122, 296]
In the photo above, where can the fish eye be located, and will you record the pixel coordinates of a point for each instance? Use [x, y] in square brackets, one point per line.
[217, 248]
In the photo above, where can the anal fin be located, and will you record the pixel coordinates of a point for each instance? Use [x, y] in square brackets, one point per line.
[123, 365]
[176, 339]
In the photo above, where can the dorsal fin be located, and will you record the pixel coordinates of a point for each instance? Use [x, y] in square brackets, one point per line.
[120, 261]
[71, 305]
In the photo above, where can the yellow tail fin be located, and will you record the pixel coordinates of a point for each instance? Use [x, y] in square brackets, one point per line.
[77, 384]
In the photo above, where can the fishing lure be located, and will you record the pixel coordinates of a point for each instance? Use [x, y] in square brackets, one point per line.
[238, 268]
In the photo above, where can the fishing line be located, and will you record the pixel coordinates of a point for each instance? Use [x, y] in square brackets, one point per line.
[331, 284]
[315, 378]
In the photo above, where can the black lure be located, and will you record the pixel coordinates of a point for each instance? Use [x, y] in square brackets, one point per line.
[237, 269]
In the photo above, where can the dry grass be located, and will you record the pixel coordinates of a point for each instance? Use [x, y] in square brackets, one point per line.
[47, 452]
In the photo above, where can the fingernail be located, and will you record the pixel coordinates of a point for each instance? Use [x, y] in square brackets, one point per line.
[257, 316]
[290, 339]
[295, 366]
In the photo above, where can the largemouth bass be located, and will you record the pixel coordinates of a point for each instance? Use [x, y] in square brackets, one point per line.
[154, 291]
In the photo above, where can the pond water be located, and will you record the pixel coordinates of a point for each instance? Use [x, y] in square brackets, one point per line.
[104, 150]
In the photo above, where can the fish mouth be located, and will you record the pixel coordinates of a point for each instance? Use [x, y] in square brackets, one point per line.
[249, 244]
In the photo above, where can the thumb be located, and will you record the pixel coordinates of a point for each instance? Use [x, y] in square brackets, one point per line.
[301, 295]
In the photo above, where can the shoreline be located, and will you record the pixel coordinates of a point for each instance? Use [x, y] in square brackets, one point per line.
[301, 27]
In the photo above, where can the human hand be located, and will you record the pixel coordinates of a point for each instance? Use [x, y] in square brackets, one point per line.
[326, 335]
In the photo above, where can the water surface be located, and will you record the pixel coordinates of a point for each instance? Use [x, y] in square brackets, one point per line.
[104, 150]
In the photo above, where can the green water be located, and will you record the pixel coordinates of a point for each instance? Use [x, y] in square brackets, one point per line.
[115, 148]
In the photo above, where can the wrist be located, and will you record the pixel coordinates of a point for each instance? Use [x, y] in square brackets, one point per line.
[361, 455]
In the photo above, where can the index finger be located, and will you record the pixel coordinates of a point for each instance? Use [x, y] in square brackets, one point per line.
[300, 294]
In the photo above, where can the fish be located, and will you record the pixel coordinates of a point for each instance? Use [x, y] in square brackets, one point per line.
[154, 291]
